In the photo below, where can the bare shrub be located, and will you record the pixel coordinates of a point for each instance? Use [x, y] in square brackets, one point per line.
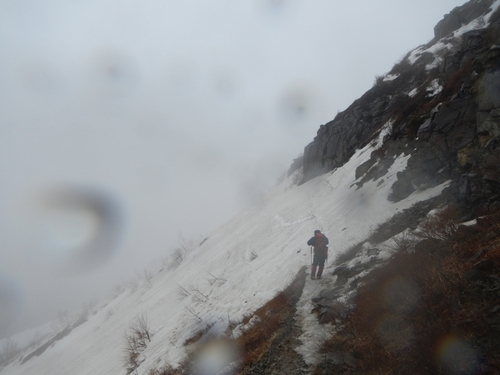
[379, 79]
[147, 275]
[403, 242]
[481, 22]
[441, 226]
[164, 370]
[402, 66]
[177, 257]
[253, 256]
[182, 292]
[36, 339]
[136, 338]
[131, 284]
[86, 310]
[214, 279]
[199, 295]
[179, 253]
[194, 313]
[9, 350]
[62, 321]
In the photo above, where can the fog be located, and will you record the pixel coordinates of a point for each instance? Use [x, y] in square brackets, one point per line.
[130, 128]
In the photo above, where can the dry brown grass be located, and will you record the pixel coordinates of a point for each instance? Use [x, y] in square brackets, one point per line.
[256, 340]
[411, 311]
[165, 370]
[197, 335]
[455, 80]
[441, 226]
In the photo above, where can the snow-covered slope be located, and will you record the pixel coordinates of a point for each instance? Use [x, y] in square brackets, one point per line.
[236, 270]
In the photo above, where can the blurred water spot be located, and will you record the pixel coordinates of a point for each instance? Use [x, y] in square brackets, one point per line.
[113, 72]
[296, 104]
[216, 356]
[275, 4]
[272, 6]
[11, 302]
[79, 228]
[69, 228]
[458, 356]
[401, 295]
[395, 333]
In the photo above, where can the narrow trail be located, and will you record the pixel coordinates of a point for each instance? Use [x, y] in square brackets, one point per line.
[313, 334]
[294, 348]
[281, 357]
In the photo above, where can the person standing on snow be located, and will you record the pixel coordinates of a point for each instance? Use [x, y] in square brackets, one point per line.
[319, 242]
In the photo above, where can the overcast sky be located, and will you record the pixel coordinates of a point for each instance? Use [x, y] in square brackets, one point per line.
[127, 126]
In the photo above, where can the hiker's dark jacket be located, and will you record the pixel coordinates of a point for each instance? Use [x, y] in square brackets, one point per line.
[318, 246]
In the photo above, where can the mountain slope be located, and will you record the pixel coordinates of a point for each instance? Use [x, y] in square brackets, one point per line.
[406, 141]
[442, 101]
[235, 271]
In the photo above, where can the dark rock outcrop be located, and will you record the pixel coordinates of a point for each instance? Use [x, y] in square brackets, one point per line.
[452, 134]
[461, 16]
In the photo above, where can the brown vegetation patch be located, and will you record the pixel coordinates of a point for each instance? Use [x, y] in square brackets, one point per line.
[432, 310]
[255, 341]
[198, 335]
[455, 80]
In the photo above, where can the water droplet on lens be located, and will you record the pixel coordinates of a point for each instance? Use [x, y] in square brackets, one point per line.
[79, 228]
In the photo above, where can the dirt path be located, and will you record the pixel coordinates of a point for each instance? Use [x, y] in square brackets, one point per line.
[281, 358]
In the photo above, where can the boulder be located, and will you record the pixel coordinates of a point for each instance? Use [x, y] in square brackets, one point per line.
[341, 280]
[401, 189]
[331, 294]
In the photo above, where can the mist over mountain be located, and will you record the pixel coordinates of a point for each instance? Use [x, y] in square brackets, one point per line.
[405, 183]
[162, 120]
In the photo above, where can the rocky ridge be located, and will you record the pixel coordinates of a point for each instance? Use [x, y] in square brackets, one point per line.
[440, 104]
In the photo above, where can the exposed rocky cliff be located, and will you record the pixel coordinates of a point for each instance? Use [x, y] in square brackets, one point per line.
[440, 104]
[461, 16]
